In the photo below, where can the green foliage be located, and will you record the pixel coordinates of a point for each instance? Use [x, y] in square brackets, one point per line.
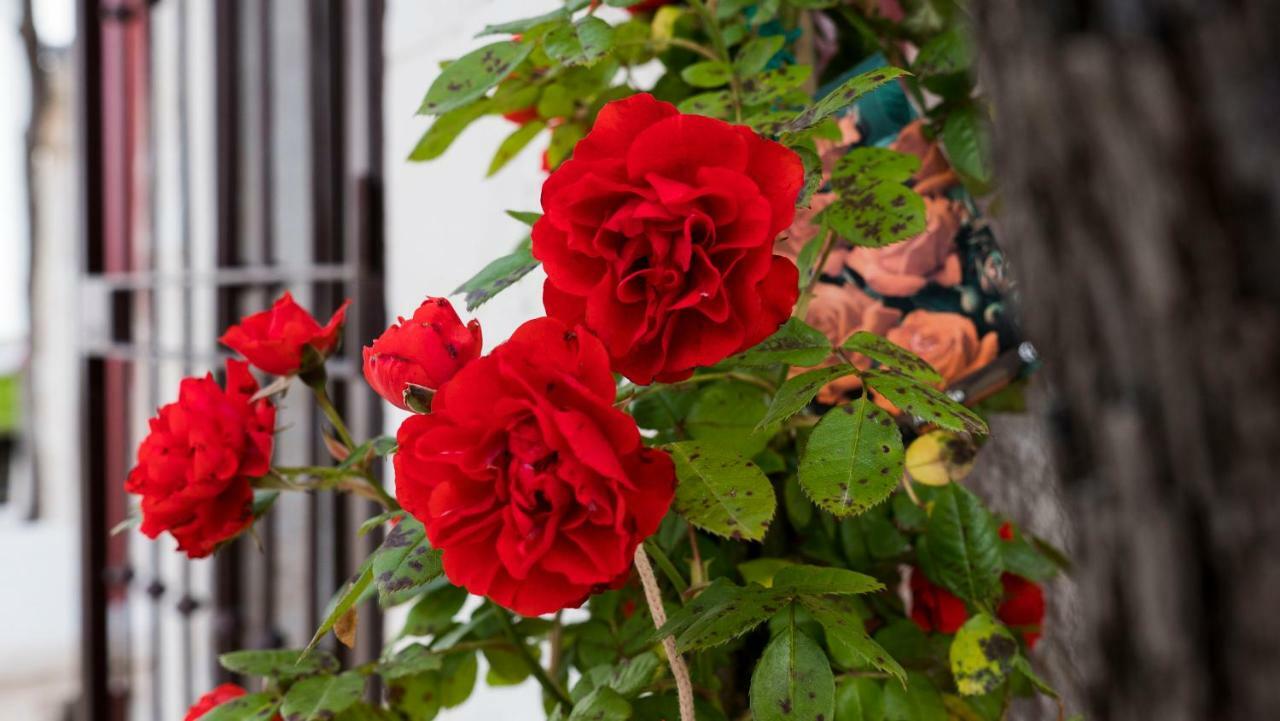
[846, 635]
[923, 401]
[404, 563]
[322, 697]
[795, 343]
[963, 547]
[918, 701]
[853, 459]
[721, 492]
[467, 78]
[278, 663]
[981, 655]
[792, 680]
[581, 43]
[250, 707]
[874, 208]
[844, 96]
[859, 699]
[882, 351]
[798, 391]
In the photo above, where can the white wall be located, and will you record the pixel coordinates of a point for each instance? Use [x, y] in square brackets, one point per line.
[445, 220]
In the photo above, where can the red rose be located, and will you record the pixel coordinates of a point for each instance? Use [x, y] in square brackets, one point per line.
[1023, 607]
[213, 699]
[273, 340]
[522, 116]
[658, 234]
[536, 488]
[648, 6]
[425, 351]
[195, 465]
[934, 608]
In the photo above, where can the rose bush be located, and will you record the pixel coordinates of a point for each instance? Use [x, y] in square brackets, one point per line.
[274, 340]
[533, 485]
[658, 234]
[424, 351]
[195, 465]
[839, 311]
[905, 268]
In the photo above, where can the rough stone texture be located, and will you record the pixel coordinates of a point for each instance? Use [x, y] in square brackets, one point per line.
[1139, 158]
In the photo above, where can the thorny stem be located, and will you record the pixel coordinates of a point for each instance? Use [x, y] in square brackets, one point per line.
[548, 685]
[653, 596]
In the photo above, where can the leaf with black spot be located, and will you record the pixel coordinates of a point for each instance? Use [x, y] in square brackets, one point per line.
[803, 579]
[981, 655]
[278, 663]
[250, 707]
[602, 704]
[320, 698]
[732, 618]
[713, 104]
[795, 343]
[351, 593]
[467, 78]
[582, 43]
[885, 352]
[498, 275]
[842, 97]
[798, 391]
[847, 631]
[792, 680]
[853, 459]
[923, 401]
[404, 563]
[721, 492]
[873, 207]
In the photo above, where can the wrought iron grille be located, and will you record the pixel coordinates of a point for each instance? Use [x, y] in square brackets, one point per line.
[230, 150]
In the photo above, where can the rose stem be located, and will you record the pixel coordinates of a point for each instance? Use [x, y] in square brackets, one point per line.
[653, 596]
[335, 420]
[551, 687]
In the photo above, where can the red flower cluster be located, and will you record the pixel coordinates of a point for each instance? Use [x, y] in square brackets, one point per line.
[658, 235]
[533, 485]
[934, 608]
[274, 339]
[424, 351]
[195, 465]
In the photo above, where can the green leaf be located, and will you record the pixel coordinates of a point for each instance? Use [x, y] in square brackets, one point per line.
[874, 208]
[853, 459]
[497, 276]
[467, 78]
[887, 353]
[762, 570]
[819, 580]
[721, 492]
[582, 43]
[729, 415]
[377, 521]
[446, 128]
[720, 591]
[981, 655]
[767, 87]
[1021, 558]
[923, 401]
[342, 601]
[405, 562]
[756, 53]
[278, 663]
[798, 391]
[434, 611]
[250, 707]
[919, 701]
[1023, 666]
[963, 546]
[792, 680]
[707, 74]
[844, 96]
[846, 632]
[715, 104]
[410, 661]
[628, 677]
[514, 143]
[732, 618]
[795, 343]
[563, 140]
[515, 27]
[943, 62]
[457, 678]
[602, 704]
[524, 216]
[859, 699]
[968, 144]
[320, 698]
[415, 697]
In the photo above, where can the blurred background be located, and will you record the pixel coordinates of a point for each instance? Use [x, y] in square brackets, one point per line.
[168, 166]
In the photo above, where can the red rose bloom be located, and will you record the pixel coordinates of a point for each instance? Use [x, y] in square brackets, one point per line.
[934, 608]
[1023, 607]
[273, 340]
[533, 485]
[213, 699]
[425, 351]
[195, 465]
[657, 235]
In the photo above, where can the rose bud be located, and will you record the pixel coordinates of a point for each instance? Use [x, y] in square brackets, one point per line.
[419, 354]
[277, 340]
[196, 464]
